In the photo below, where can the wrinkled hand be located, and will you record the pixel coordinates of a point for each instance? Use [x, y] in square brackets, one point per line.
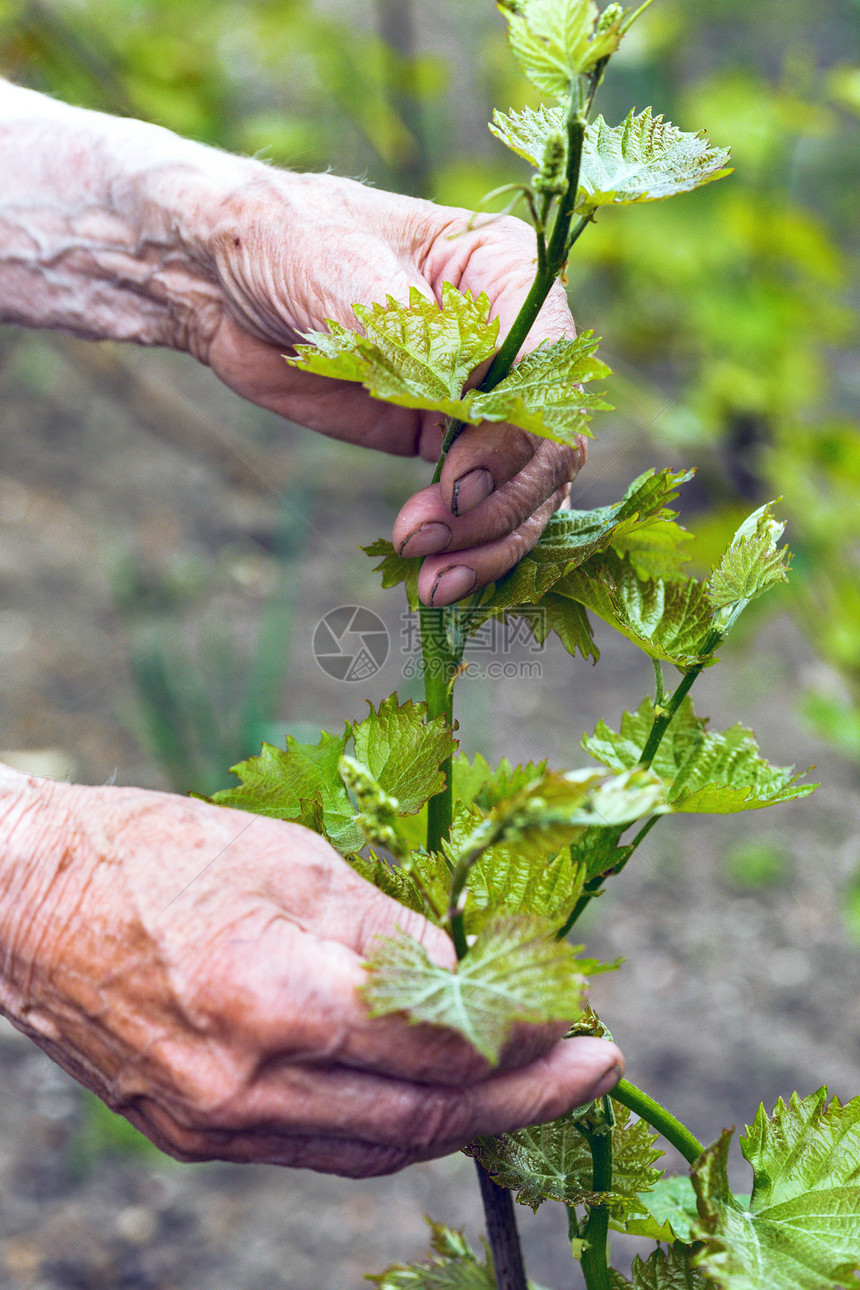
[198, 968]
[297, 250]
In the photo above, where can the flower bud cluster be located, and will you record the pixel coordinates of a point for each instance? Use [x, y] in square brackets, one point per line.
[378, 809]
[552, 177]
[612, 14]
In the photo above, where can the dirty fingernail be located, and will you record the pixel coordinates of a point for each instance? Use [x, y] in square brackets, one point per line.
[427, 540]
[471, 489]
[453, 584]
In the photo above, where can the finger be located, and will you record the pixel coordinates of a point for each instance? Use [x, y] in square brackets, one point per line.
[447, 578]
[470, 258]
[289, 1106]
[295, 998]
[346, 1157]
[425, 526]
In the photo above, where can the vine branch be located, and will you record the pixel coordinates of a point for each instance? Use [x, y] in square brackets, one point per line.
[659, 1118]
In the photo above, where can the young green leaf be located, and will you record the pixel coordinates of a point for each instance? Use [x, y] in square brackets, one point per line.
[515, 971]
[638, 526]
[476, 782]
[705, 772]
[752, 564]
[398, 749]
[420, 356]
[644, 160]
[454, 1265]
[395, 569]
[393, 880]
[669, 1270]
[671, 1212]
[542, 393]
[555, 810]
[669, 621]
[556, 40]
[507, 880]
[285, 783]
[526, 133]
[599, 851]
[553, 1162]
[802, 1228]
[404, 751]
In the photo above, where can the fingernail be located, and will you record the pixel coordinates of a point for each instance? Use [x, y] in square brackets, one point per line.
[471, 489]
[453, 584]
[427, 539]
[608, 1081]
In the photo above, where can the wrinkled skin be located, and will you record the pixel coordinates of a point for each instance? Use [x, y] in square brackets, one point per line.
[198, 968]
[351, 243]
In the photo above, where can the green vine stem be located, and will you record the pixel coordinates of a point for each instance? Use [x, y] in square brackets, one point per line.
[663, 714]
[440, 665]
[659, 1118]
[595, 1268]
[441, 661]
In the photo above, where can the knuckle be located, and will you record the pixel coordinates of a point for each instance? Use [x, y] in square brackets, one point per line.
[427, 1120]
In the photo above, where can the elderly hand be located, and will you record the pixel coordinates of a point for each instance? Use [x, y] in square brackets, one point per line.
[198, 968]
[115, 229]
[296, 250]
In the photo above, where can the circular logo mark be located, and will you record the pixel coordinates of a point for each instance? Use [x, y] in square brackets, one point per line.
[351, 643]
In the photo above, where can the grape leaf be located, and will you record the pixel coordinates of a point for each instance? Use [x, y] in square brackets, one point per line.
[280, 781]
[573, 538]
[553, 1162]
[404, 751]
[555, 40]
[672, 1270]
[715, 773]
[393, 880]
[526, 133]
[640, 524]
[669, 621]
[395, 569]
[598, 851]
[515, 971]
[422, 882]
[400, 750]
[643, 160]
[420, 356]
[802, 1228]
[504, 879]
[752, 564]
[477, 782]
[541, 394]
[671, 1206]
[568, 619]
[454, 1265]
[555, 810]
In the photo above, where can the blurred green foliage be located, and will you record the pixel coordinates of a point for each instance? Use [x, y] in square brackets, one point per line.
[755, 865]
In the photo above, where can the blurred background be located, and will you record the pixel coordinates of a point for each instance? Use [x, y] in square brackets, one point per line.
[166, 552]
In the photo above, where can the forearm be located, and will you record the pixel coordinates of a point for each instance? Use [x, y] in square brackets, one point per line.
[105, 223]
